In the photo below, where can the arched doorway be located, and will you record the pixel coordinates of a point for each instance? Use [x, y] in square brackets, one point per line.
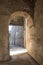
[26, 21]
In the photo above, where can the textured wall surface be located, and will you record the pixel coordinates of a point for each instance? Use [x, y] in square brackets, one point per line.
[7, 7]
[38, 19]
[4, 52]
[35, 33]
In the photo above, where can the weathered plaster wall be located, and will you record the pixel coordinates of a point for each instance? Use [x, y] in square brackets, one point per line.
[4, 52]
[7, 7]
[38, 19]
[35, 33]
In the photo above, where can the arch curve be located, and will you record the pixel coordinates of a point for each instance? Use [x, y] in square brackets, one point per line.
[23, 14]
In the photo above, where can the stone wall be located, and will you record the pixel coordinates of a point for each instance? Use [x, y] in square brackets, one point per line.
[35, 33]
[38, 19]
[4, 49]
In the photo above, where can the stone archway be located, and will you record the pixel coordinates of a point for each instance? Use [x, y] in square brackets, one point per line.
[28, 23]
[4, 44]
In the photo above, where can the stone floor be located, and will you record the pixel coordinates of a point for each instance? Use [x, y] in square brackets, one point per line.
[15, 50]
[22, 59]
[19, 56]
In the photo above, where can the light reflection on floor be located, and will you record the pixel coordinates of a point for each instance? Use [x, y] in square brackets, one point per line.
[18, 50]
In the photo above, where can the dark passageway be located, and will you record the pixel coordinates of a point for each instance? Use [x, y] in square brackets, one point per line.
[29, 14]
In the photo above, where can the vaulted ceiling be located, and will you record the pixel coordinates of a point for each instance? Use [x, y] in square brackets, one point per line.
[9, 6]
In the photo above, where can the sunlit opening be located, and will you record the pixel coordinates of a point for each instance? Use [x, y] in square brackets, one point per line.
[16, 40]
